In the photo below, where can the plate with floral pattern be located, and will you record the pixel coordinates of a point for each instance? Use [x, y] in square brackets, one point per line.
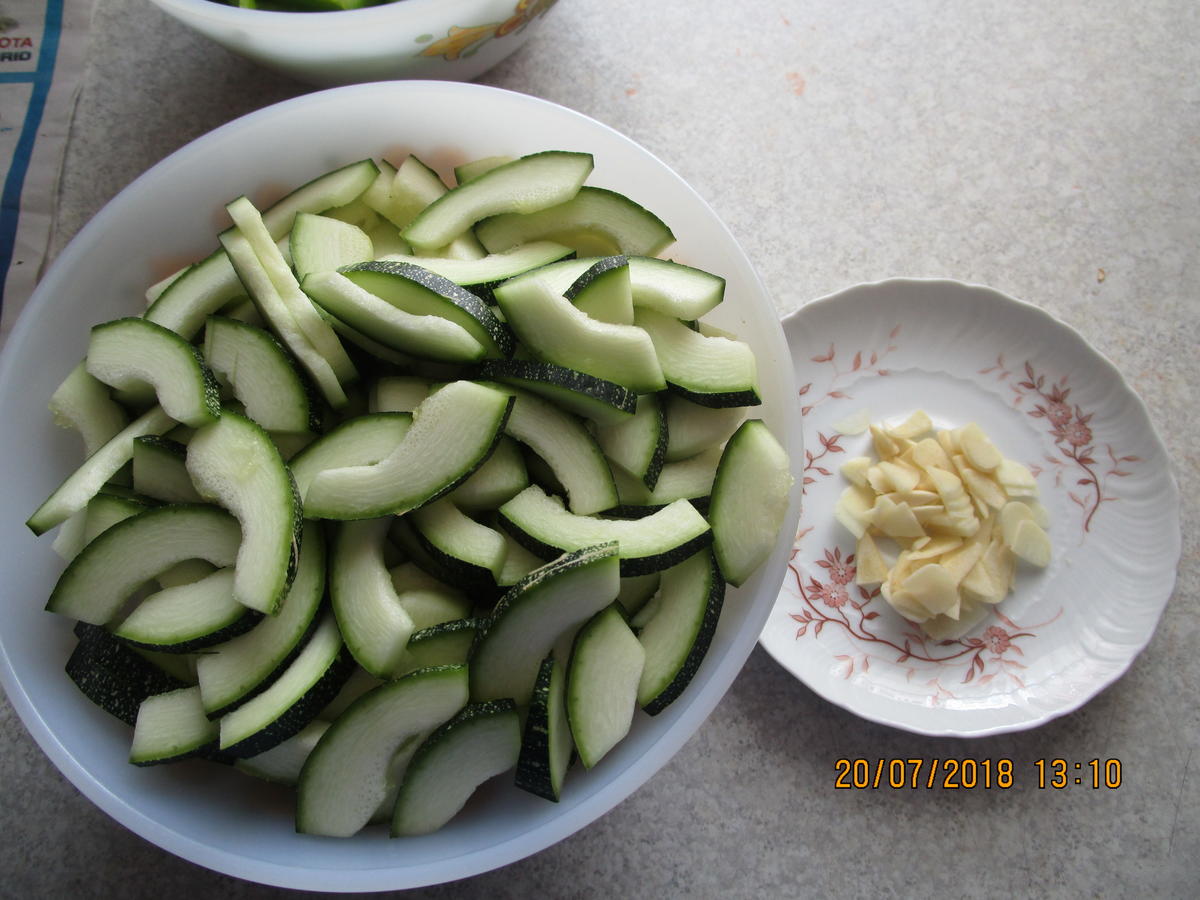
[966, 353]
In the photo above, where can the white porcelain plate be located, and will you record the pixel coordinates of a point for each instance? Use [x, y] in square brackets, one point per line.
[1047, 399]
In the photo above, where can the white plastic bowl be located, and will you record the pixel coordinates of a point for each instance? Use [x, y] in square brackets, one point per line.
[212, 815]
[453, 40]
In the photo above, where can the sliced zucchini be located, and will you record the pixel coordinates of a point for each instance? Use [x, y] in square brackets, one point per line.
[480, 742]
[444, 644]
[636, 591]
[345, 778]
[293, 699]
[604, 291]
[212, 283]
[113, 675]
[494, 483]
[534, 614]
[128, 354]
[546, 746]
[472, 552]
[476, 167]
[595, 222]
[555, 331]
[480, 276]
[649, 544]
[452, 433]
[283, 762]
[360, 441]
[586, 395]
[234, 462]
[160, 471]
[518, 562]
[171, 726]
[84, 403]
[374, 622]
[692, 428]
[638, 444]
[602, 684]
[421, 292]
[322, 244]
[97, 583]
[239, 669]
[711, 371]
[749, 500]
[688, 479]
[422, 334]
[677, 637]
[260, 374]
[105, 510]
[673, 289]
[526, 185]
[429, 600]
[399, 393]
[188, 617]
[280, 316]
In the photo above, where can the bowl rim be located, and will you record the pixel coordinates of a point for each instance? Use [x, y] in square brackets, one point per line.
[368, 15]
[684, 717]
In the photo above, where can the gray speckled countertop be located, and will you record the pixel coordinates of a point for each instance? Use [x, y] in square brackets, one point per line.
[1050, 150]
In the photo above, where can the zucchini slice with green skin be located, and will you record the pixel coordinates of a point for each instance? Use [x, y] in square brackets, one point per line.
[567, 447]
[518, 562]
[113, 675]
[283, 762]
[243, 667]
[677, 636]
[638, 444]
[498, 480]
[360, 441]
[595, 222]
[187, 617]
[523, 186]
[101, 513]
[604, 402]
[649, 544]
[602, 684]
[279, 316]
[472, 552]
[480, 276]
[345, 778]
[105, 574]
[374, 622]
[534, 614]
[323, 244]
[426, 335]
[749, 500]
[84, 403]
[127, 354]
[429, 600]
[482, 741]
[261, 375]
[444, 644]
[293, 699]
[692, 428]
[555, 331]
[546, 746]
[636, 591]
[421, 292]
[234, 462]
[452, 433]
[688, 479]
[170, 727]
[476, 167]
[711, 371]
[97, 470]
[673, 289]
[414, 186]
[604, 291]
[399, 393]
[210, 284]
[308, 319]
[160, 470]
